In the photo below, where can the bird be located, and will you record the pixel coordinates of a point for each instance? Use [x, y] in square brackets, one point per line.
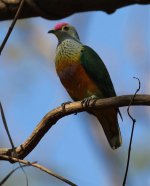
[84, 76]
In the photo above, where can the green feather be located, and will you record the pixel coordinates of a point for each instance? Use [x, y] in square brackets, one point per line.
[97, 71]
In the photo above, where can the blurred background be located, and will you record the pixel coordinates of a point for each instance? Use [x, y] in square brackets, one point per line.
[76, 147]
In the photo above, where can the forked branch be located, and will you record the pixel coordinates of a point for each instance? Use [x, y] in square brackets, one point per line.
[38, 166]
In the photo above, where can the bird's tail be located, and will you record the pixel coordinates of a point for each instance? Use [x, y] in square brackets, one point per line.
[109, 122]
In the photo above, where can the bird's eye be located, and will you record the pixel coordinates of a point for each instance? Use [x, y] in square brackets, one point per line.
[66, 28]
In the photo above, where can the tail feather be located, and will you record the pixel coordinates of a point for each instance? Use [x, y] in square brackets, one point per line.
[109, 122]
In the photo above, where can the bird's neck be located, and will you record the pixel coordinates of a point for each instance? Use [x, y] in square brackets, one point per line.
[63, 36]
[68, 51]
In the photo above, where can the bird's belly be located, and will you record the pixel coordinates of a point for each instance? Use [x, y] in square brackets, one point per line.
[77, 82]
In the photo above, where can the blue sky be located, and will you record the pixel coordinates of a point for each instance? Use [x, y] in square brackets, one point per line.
[76, 147]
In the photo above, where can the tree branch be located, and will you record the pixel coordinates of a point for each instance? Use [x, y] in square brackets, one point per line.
[58, 9]
[53, 116]
[38, 166]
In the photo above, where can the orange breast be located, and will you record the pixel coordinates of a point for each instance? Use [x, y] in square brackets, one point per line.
[76, 81]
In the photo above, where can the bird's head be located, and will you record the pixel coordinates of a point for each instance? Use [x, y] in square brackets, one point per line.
[64, 31]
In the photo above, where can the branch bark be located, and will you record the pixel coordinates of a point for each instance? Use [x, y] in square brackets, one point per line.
[58, 9]
[53, 116]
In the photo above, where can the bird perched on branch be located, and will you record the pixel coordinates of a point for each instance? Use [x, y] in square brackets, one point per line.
[84, 75]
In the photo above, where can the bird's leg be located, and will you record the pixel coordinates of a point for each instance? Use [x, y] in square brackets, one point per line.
[85, 102]
[63, 105]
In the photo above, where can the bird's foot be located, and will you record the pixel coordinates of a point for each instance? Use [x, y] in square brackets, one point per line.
[94, 101]
[63, 105]
[85, 102]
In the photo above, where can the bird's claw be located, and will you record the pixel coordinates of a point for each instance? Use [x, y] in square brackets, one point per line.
[94, 101]
[86, 101]
[63, 105]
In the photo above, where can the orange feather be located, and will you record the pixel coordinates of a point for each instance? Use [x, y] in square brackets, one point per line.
[78, 88]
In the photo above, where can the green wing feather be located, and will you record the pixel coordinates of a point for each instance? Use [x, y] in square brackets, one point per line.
[97, 71]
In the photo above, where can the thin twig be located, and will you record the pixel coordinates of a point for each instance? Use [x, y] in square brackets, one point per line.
[10, 173]
[133, 125]
[6, 126]
[11, 141]
[12, 25]
[44, 169]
